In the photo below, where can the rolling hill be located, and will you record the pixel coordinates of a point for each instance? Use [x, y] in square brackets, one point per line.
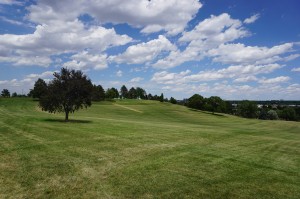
[144, 149]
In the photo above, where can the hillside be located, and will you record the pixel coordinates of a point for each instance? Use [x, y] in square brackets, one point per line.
[144, 149]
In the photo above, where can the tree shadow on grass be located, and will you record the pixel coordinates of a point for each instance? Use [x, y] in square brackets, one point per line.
[208, 113]
[69, 121]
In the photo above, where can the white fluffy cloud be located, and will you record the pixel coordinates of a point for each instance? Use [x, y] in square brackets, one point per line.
[275, 80]
[239, 72]
[144, 52]
[136, 79]
[119, 73]
[11, 2]
[84, 60]
[251, 19]
[57, 38]
[218, 29]
[296, 69]
[152, 16]
[241, 54]
[26, 83]
[208, 34]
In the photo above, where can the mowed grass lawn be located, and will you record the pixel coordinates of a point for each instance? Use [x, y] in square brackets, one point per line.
[144, 149]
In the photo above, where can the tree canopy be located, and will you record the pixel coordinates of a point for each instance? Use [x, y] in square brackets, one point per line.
[5, 93]
[98, 93]
[248, 109]
[124, 92]
[69, 91]
[196, 102]
[39, 89]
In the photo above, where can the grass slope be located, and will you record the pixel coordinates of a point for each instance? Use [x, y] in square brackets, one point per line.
[144, 149]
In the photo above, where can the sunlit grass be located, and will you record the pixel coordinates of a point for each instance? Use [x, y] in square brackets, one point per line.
[144, 149]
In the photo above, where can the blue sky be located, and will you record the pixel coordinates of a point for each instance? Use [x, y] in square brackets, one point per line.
[235, 49]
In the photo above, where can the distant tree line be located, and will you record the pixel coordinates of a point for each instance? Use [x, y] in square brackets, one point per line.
[6, 93]
[245, 108]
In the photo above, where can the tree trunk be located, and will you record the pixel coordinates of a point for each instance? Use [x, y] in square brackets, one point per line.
[67, 116]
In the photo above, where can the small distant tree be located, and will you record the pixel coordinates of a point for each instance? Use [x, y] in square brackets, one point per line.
[196, 102]
[124, 92]
[69, 91]
[5, 93]
[39, 89]
[173, 100]
[132, 93]
[110, 93]
[141, 93]
[149, 96]
[14, 94]
[248, 109]
[98, 93]
[116, 92]
[161, 98]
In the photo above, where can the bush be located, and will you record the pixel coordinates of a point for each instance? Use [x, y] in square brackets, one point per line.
[272, 115]
[288, 113]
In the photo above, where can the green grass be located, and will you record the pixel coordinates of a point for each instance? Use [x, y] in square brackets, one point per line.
[144, 149]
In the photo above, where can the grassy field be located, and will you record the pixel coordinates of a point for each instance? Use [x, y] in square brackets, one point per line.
[144, 149]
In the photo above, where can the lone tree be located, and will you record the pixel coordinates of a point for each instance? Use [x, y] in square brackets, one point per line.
[5, 93]
[69, 91]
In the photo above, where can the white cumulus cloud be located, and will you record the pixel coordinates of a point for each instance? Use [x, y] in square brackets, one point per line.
[296, 69]
[171, 16]
[144, 52]
[251, 19]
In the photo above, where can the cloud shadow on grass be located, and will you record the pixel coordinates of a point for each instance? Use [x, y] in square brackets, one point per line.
[69, 121]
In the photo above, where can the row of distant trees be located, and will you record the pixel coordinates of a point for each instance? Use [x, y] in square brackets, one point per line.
[6, 93]
[99, 94]
[249, 109]
[246, 108]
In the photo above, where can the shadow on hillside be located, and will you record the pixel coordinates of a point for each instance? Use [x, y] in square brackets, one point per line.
[208, 113]
[70, 121]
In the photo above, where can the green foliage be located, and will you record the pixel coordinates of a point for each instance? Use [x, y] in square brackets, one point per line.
[288, 113]
[14, 94]
[69, 91]
[39, 89]
[140, 93]
[161, 98]
[5, 93]
[196, 102]
[216, 104]
[272, 115]
[124, 92]
[248, 109]
[263, 114]
[173, 100]
[98, 93]
[132, 93]
[111, 93]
